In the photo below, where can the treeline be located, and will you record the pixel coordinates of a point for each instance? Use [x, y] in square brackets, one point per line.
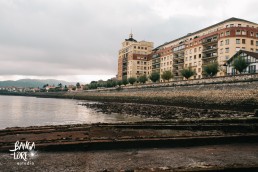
[154, 77]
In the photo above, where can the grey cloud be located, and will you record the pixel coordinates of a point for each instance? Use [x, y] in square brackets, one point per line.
[71, 37]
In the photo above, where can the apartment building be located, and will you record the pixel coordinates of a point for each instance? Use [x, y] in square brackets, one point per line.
[134, 58]
[216, 43]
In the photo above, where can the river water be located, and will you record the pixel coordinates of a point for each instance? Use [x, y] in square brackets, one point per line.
[18, 111]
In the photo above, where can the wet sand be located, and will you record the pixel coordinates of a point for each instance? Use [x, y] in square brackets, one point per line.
[217, 157]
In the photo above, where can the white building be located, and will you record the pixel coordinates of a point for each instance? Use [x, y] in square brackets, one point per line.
[250, 57]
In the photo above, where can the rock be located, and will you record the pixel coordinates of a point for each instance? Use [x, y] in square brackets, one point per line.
[256, 112]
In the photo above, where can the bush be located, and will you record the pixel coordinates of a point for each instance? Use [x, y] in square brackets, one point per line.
[211, 69]
[187, 73]
[125, 81]
[240, 64]
[167, 75]
[154, 77]
[143, 79]
[132, 80]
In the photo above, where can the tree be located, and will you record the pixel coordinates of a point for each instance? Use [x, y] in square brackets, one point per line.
[167, 75]
[125, 81]
[187, 72]
[65, 88]
[60, 85]
[78, 85]
[240, 64]
[111, 83]
[211, 69]
[154, 76]
[44, 86]
[119, 82]
[143, 79]
[132, 80]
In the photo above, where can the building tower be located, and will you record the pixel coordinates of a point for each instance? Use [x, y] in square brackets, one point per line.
[134, 58]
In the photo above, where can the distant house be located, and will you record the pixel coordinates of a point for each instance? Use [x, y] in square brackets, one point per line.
[250, 57]
[71, 87]
[49, 87]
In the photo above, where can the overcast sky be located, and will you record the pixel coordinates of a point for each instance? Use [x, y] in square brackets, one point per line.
[78, 40]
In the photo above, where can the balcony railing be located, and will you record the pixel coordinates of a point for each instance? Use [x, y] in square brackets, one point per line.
[156, 55]
[210, 56]
[208, 41]
[210, 49]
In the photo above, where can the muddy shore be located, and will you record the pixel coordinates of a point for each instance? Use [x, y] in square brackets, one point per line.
[164, 112]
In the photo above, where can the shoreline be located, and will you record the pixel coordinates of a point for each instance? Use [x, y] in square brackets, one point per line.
[235, 96]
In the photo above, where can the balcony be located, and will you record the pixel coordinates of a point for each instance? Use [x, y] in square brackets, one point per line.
[156, 56]
[209, 56]
[209, 41]
[178, 49]
[210, 49]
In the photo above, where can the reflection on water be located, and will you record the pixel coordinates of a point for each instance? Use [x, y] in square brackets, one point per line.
[30, 111]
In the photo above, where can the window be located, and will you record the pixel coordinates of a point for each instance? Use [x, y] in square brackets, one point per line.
[243, 48]
[237, 49]
[251, 34]
[256, 35]
[237, 41]
[222, 34]
[231, 25]
[200, 48]
[256, 43]
[221, 43]
[243, 41]
[239, 25]
[252, 42]
[227, 57]
[252, 68]
[226, 50]
[221, 51]
[200, 55]
[243, 32]
[227, 33]
[227, 42]
[195, 50]
[238, 32]
[138, 62]
[251, 49]
[194, 56]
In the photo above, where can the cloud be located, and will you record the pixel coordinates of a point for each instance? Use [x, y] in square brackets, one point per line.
[82, 37]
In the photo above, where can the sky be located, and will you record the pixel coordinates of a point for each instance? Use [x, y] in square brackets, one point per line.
[78, 40]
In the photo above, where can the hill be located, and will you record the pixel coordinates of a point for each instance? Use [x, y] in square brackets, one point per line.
[33, 83]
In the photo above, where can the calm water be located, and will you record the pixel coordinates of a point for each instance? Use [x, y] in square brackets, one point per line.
[30, 111]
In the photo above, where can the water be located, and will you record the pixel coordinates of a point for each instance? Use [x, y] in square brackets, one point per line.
[18, 111]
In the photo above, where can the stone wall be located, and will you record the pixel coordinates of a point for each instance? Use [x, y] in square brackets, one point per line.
[234, 96]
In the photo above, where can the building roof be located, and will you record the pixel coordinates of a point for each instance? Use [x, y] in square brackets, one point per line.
[131, 38]
[252, 54]
[217, 24]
